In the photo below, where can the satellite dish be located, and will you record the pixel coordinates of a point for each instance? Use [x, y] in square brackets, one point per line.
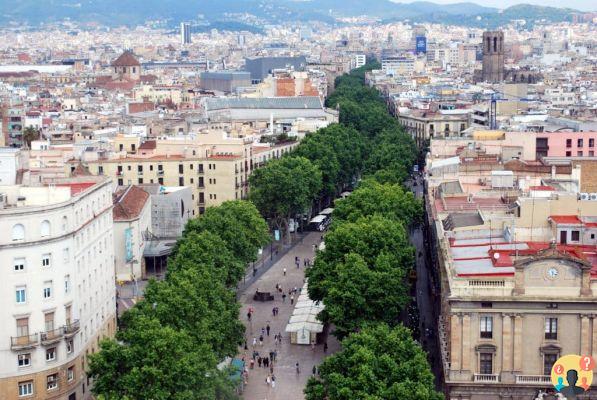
[496, 256]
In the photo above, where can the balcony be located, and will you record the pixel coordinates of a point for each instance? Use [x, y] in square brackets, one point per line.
[24, 342]
[160, 172]
[539, 380]
[53, 336]
[486, 378]
[72, 328]
[200, 171]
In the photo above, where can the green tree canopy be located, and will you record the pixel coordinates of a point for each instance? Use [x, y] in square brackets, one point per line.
[371, 197]
[239, 225]
[363, 293]
[194, 301]
[207, 250]
[378, 363]
[285, 187]
[368, 237]
[151, 361]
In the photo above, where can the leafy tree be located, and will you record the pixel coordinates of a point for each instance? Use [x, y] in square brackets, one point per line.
[368, 237]
[378, 363]
[362, 293]
[239, 225]
[206, 249]
[30, 134]
[389, 200]
[151, 361]
[284, 188]
[194, 301]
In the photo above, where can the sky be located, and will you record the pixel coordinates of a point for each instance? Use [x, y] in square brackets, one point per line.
[585, 5]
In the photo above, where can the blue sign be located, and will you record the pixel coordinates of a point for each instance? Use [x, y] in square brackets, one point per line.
[128, 244]
[276, 235]
[421, 44]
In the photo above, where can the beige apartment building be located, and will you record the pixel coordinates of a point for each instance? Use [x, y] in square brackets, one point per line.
[424, 125]
[517, 269]
[216, 170]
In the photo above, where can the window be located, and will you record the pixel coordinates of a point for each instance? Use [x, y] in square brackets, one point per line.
[575, 236]
[70, 373]
[21, 295]
[181, 181]
[579, 153]
[49, 321]
[133, 147]
[140, 181]
[486, 363]
[18, 232]
[45, 260]
[161, 181]
[140, 169]
[45, 228]
[120, 182]
[591, 142]
[65, 255]
[549, 360]
[568, 143]
[66, 284]
[24, 360]
[25, 388]
[568, 154]
[180, 168]
[551, 328]
[23, 327]
[51, 354]
[52, 382]
[69, 346]
[19, 264]
[591, 153]
[47, 289]
[579, 142]
[486, 327]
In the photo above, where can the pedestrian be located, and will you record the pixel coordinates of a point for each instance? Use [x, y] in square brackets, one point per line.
[254, 271]
[274, 311]
[249, 315]
[314, 248]
[279, 338]
[271, 356]
[262, 331]
[277, 311]
[266, 362]
[245, 346]
[291, 299]
[304, 262]
[283, 297]
[268, 380]
[271, 369]
[314, 370]
[298, 371]
[252, 363]
[259, 361]
[261, 341]
[254, 341]
[275, 354]
[325, 347]
[284, 271]
[267, 328]
[273, 381]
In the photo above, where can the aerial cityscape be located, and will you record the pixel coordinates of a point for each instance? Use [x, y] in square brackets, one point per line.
[298, 200]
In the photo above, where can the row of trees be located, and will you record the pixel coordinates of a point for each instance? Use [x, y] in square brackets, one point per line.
[169, 343]
[362, 274]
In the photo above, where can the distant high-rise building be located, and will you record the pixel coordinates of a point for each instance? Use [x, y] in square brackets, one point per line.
[493, 56]
[185, 33]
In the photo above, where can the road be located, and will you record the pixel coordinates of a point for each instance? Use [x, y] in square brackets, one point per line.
[426, 301]
[289, 384]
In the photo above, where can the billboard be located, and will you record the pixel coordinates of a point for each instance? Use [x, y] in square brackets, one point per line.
[421, 44]
[128, 244]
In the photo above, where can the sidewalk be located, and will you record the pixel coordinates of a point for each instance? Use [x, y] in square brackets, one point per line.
[289, 384]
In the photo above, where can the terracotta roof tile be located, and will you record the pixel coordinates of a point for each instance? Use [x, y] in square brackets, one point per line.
[126, 59]
[129, 203]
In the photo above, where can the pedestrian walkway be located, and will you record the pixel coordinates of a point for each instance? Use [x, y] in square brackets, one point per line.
[289, 384]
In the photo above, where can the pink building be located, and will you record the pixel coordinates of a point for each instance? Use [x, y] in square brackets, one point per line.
[566, 144]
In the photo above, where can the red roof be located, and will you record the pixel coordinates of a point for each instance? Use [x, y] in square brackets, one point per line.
[129, 203]
[126, 59]
[78, 187]
[545, 188]
[566, 219]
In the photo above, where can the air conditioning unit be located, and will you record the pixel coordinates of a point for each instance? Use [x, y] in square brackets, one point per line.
[593, 196]
[584, 196]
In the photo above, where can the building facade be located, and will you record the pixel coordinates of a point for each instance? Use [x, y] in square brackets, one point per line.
[493, 56]
[57, 292]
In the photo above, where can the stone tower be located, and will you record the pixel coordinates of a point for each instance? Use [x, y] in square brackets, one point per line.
[493, 56]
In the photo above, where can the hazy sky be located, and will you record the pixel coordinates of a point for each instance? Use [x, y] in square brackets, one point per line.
[586, 5]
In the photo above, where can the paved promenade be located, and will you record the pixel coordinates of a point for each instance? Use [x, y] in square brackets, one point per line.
[289, 384]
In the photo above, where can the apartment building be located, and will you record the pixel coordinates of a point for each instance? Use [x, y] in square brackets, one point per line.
[516, 266]
[57, 290]
[216, 170]
[423, 125]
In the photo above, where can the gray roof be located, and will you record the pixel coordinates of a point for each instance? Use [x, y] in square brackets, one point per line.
[222, 103]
